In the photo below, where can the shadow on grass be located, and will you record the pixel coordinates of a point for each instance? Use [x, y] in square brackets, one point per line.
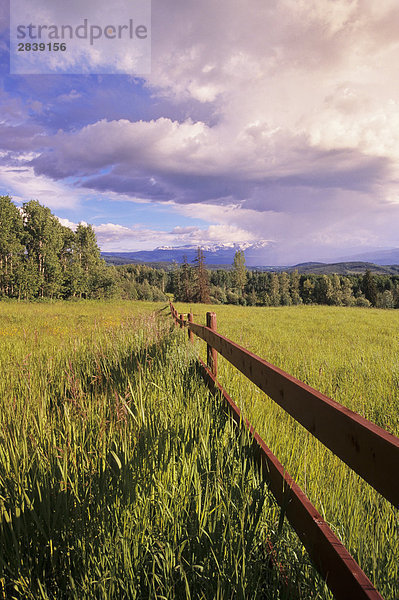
[174, 508]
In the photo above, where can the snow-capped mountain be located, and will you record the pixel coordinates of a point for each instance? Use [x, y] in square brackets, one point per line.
[218, 247]
[258, 253]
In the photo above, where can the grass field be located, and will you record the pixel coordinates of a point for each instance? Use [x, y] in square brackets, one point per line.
[350, 354]
[120, 476]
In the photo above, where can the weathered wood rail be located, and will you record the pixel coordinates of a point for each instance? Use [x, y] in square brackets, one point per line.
[366, 448]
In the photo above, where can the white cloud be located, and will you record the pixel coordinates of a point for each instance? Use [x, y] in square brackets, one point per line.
[68, 223]
[280, 64]
[22, 184]
[72, 95]
[350, 221]
[115, 237]
[82, 27]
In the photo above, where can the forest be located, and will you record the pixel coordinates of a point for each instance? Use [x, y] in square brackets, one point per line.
[42, 259]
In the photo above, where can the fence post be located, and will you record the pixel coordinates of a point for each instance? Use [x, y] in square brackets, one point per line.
[181, 321]
[190, 333]
[211, 353]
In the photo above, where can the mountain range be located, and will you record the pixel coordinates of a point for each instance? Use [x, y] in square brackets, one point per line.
[214, 254]
[380, 256]
[260, 254]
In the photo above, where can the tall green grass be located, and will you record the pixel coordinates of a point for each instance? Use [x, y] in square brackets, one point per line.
[120, 477]
[350, 354]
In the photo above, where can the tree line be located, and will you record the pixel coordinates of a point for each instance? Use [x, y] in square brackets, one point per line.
[40, 258]
[258, 288]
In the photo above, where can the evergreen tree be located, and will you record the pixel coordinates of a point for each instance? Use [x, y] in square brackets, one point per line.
[239, 271]
[201, 293]
[395, 293]
[251, 298]
[265, 299]
[186, 282]
[174, 286]
[369, 288]
[221, 278]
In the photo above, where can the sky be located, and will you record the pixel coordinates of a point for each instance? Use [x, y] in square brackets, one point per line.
[272, 120]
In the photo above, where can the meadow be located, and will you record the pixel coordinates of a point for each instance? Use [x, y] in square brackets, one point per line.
[351, 355]
[121, 477]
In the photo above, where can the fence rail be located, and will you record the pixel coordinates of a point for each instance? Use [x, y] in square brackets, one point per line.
[368, 449]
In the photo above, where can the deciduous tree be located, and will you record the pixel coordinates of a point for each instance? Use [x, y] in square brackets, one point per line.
[11, 246]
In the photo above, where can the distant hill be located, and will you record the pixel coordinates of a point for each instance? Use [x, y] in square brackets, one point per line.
[382, 256]
[316, 268]
[344, 268]
[119, 259]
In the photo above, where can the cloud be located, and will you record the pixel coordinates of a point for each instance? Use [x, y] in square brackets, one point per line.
[182, 230]
[100, 37]
[70, 96]
[186, 162]
[346, 221]
[114, 237]
[292, 84]
[68, 223]
[297, 142]
[22, 184]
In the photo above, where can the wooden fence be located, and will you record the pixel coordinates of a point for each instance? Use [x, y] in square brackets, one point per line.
[368, 449]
